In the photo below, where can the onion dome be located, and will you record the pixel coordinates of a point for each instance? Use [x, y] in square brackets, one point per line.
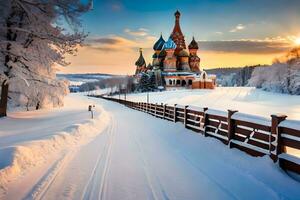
[193, 44]
[170, 44]
[141, 61]
[183, 53]
[162, 54]
[159, 44]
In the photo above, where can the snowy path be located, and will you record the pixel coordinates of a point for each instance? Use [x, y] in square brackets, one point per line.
[141, 157]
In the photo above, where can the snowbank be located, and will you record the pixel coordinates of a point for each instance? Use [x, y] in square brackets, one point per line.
[244, 99]
[17, 159]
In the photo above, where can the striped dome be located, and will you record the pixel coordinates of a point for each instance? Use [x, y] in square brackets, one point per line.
[193, 44]
[170, 44]
[159, 44]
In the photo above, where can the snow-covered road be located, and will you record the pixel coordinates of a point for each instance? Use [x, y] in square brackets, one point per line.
[139, 156]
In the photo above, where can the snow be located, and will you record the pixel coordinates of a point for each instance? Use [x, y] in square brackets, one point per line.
[290, 158]
[251, 118]
[244, 99]
[217, 112]
[114, 157]
[47, 132]
[293, 124]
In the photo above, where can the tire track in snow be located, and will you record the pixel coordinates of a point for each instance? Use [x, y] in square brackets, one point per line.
[103, 185]
[151, 177]
[88, 190]
[40, 189]
[93, 182]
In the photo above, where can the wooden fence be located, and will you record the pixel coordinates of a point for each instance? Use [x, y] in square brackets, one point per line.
[279, 138]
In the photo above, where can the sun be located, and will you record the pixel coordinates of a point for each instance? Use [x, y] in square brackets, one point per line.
[297, 41]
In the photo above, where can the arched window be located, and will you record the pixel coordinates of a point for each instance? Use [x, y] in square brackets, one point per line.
[190, 82]
[177, 82]
[174, 82]
[183, 83]
[170, 82]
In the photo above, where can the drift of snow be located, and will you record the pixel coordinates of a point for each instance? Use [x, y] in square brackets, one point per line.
[28, 139]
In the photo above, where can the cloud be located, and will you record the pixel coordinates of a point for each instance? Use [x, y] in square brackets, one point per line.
[117, 43]
[268, 46]
[140, 32]
[238, 27]
[103, 41]
[219, 33]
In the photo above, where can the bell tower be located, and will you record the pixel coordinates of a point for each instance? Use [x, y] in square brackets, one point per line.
[177, 35]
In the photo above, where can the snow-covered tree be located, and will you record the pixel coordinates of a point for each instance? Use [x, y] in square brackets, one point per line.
[282, 76]
[146, 82]
[33, 41]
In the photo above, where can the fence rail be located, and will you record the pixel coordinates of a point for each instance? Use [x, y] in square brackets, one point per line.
[256, 136]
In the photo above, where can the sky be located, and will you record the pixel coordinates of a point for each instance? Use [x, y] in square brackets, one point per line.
[230, 33]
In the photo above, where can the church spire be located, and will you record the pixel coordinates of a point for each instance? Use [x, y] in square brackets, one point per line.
[177, 35]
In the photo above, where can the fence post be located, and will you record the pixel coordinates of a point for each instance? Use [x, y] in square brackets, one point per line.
[204, 110]
[185, 116]
[175, 116]
[276, 119]
[231, 126]
[206, 120]
[164, 113]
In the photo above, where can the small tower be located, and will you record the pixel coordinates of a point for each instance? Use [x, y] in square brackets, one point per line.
[140, 63]
[170, 59]
[194, 60]
[177, 35]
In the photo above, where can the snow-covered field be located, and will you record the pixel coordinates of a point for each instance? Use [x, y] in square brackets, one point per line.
[244, 99]
[126, 154]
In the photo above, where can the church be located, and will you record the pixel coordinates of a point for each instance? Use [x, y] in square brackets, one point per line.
[173, 65]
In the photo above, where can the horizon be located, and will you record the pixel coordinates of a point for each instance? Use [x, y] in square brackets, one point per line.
[226, 39]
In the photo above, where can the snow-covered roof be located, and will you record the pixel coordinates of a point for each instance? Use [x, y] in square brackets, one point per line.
[179, 74]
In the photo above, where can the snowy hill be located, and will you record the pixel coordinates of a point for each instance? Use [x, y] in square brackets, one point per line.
[244, 99]
[78, 79]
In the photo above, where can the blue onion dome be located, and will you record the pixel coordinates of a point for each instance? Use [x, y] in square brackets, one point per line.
[159, 44]
[193, 44]
[162, 54]
[141, 61]
[170, 44]
[183, 53]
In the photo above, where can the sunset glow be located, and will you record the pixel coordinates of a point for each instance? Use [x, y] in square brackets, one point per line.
[225, 40]
[297, 41]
